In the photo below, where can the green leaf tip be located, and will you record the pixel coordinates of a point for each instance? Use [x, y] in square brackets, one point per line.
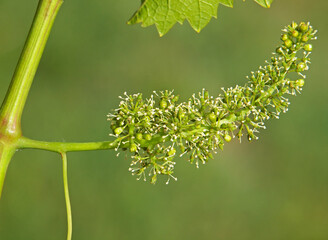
[165, 14]
[264, 3]
[159, 129]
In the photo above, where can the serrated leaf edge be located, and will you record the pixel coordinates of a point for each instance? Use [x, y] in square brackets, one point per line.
[131, 21]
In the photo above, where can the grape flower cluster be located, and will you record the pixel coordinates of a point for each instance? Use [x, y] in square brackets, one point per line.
[158, 128]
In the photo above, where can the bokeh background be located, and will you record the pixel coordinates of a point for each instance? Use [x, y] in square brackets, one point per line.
[274, 188]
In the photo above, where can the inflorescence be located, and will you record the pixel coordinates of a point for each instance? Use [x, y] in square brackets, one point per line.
[156, 129]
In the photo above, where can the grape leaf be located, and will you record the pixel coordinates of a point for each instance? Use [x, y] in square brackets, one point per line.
[264, 3]
[165, 13]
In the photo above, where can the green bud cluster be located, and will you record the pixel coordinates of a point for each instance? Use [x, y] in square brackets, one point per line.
[155, 129]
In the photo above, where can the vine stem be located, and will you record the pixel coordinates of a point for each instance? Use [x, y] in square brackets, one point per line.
[26, 143]
[12, 107]
[59, 147]
[14, 102]
[67, 198]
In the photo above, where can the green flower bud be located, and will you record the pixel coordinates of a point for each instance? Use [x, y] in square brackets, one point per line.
[206, 95]
[146, 121]
[227, 138]
[139, 136]
[147, 137]
[191, 116]
[171, 152]
[231, 117]
[118, 131]
[279, 50]
[210, 155]
[163, 104]
[175, 99]
[284, 37]
[294, 25]
[301, 67]
[308, 47]
[300, 82]
[295, 33]
[139, 98]
[181, 114]
[192, 158]
[288, 43]
[305, 38]
[133, 148]
[303, 27]
[212, 117]
[153, 179]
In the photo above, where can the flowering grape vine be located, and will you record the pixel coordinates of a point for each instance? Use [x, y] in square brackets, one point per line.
[155, 129]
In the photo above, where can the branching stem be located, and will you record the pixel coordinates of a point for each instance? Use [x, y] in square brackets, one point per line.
[12, 107]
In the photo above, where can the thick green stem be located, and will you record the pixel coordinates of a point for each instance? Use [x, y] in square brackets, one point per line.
[12, 107]
[14, 102]
[26, 143]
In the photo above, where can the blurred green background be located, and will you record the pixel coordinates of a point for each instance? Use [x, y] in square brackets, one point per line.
[275, 188]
